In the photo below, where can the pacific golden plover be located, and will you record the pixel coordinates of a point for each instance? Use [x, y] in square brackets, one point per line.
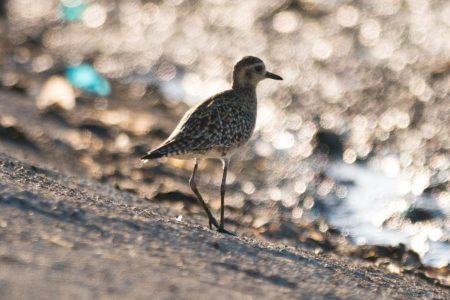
[218, 126]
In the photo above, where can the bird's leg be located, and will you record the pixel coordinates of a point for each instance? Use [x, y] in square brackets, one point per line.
[211, 218]
[221, 228]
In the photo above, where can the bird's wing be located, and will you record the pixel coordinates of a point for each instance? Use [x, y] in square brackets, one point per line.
[202, 127]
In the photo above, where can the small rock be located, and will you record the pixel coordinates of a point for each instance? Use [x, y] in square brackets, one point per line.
[72, 10]
[56, 91]
[417, 214]
[86, 78]
[330, 143]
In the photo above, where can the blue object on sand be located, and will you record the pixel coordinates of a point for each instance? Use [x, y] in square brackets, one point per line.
[72, 10]
[86, 78]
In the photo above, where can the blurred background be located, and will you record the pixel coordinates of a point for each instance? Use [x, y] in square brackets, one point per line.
[351, 150]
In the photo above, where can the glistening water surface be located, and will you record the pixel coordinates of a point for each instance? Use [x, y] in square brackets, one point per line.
[375, 208]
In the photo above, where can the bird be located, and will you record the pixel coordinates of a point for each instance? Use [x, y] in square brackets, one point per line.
[217, 127]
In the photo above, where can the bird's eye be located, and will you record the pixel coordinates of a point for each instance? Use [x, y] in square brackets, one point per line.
[258, 68]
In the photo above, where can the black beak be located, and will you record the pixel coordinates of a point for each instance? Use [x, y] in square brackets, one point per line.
[273, 76]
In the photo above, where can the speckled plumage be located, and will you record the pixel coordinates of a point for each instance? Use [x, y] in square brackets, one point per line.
[218, 126]
[214, 128]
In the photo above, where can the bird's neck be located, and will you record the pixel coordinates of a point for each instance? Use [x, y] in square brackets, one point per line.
[247, 96]
[244, 87]
[241, 83]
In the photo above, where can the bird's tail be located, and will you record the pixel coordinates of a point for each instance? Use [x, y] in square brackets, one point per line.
[152, 155]
[162, 151]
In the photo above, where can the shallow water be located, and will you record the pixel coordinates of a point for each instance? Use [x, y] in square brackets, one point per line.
[373, 199]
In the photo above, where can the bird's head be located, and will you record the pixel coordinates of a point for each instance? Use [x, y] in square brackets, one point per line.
[249, 71]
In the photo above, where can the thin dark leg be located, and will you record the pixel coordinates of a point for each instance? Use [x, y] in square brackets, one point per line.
[223, 187]
[211, 218]
[222, 197]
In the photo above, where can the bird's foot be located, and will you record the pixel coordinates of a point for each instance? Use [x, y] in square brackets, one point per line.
[223, 230]
[213, 221]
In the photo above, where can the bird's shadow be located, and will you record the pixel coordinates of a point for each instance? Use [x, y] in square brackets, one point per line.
[274, 279]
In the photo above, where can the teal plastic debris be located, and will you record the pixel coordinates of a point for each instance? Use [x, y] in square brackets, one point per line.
[86, 78]
[72, 10]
